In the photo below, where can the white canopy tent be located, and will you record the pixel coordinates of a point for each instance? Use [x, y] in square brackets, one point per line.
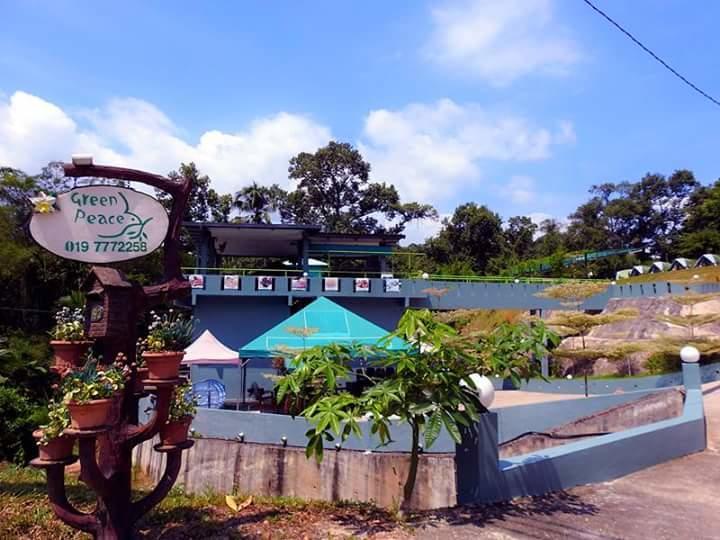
[207, 349]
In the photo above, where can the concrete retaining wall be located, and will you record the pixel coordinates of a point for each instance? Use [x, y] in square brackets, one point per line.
[473, 474]
[653, 407]
[482, 477]
[232, 467]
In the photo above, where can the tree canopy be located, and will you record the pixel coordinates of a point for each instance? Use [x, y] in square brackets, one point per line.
[334, 191]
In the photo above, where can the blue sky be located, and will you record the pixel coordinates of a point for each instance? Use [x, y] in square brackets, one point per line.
[521, 104]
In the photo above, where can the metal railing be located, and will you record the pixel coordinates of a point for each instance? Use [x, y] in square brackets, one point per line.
[365, 274]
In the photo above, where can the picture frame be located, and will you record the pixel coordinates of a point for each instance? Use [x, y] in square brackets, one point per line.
[299, 284]
[265, 283]
[231, 282]
[197, 281]
[362, 285]
[331, 284]
[392, 285]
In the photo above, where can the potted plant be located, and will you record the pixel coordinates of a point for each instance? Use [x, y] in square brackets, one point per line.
[53, 444]
[168, 336]
[68, 341]
[182, 410]
[141, 369]
[90, 392]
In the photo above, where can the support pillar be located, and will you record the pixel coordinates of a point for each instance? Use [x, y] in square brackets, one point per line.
[477, 462]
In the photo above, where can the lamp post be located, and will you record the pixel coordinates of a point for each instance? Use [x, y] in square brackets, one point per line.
[689, 354]
[690, 357]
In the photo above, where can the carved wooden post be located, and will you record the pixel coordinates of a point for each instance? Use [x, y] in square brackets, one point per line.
[106, 454]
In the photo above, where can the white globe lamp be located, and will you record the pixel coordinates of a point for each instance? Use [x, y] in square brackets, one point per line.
[485, 389]
[689, 354]
[425, 275]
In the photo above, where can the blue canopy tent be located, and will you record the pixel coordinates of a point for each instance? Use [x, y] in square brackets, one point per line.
[319, 323]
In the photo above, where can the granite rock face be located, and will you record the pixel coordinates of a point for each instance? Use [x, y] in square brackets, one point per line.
[645, 329]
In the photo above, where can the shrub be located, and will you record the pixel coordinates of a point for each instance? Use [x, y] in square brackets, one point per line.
[18, 420]
[663, 362]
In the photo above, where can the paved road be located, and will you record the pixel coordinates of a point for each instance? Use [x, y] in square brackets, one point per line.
[676, 500]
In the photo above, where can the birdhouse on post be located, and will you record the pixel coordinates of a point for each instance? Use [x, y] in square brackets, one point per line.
[111, 303]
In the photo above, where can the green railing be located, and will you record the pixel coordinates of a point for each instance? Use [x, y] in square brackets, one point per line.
[358, 273]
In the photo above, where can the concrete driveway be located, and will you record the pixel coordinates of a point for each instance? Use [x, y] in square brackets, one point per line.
[676, 500]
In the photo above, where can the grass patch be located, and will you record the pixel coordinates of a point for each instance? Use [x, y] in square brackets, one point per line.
[708, 274]
[26, 514]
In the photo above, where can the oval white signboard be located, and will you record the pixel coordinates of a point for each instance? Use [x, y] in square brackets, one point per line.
[100, 224]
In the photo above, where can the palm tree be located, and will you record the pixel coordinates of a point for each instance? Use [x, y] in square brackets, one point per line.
[258, 202]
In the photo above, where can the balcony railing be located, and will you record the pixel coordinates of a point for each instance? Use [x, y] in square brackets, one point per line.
[315, 274]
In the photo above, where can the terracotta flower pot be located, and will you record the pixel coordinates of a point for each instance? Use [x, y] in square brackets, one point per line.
[68, 354]
[140, 375]
[163, 365]
[90, 415]
[175, 431]
[56, 449]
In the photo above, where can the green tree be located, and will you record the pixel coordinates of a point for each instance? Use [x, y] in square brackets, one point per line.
[473, 233]
[204, 203]
[334, 192]
[648, 213]
[551, 239]
[519, 235]
[701, 233]
[430, 388]
[256, 202]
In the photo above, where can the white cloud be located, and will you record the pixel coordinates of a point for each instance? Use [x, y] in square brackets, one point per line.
[134, 133]
[432, 151]
[499, 41]
[521, 189]
[538, 217]
[416, 232]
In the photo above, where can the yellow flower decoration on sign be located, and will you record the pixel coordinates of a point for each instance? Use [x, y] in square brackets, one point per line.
[43, 204]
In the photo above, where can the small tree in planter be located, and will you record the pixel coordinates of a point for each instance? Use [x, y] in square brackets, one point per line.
[89, 393]
[168, 337]
[53, 445]
[182, 410]
[68, 339]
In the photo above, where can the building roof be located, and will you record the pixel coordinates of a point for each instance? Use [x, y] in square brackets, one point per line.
[207, 349]
[285, 240]
[323, 322]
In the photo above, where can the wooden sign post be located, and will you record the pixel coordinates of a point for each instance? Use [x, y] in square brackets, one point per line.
[103, 224]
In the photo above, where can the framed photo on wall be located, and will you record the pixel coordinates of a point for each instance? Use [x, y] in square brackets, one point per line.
[392, 285]
[299, 284]
[331, 284]
[197, 281]
[265, 283]
[231, 283]
[362, 285]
